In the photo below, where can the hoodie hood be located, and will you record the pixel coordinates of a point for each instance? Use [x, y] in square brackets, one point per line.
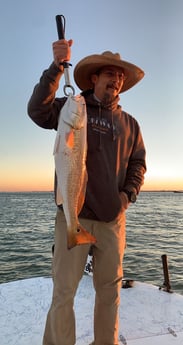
[101, 117]
[91, 99]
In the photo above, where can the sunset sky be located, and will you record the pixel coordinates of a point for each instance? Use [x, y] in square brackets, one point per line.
[145, 32]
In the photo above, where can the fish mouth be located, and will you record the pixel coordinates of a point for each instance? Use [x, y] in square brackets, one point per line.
[79, 236]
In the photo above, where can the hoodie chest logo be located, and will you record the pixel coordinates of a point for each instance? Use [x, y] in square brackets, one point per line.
[101, 125]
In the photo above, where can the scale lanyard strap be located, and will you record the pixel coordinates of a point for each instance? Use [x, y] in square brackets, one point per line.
[61, 35]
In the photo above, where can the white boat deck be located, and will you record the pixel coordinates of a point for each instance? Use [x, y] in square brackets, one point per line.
[148, 316]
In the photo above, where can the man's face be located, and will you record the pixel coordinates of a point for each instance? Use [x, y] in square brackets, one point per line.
[108, 82]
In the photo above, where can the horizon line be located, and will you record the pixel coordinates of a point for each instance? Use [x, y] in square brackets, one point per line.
[52, 191]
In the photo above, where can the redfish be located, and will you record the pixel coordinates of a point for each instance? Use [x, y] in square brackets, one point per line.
[70, 151]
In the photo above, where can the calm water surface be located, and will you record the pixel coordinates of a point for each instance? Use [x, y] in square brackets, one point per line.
[154, 227]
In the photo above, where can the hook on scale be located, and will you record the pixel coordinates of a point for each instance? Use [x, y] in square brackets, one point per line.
[60, 22]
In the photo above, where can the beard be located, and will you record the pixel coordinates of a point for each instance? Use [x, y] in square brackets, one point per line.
[109, 97]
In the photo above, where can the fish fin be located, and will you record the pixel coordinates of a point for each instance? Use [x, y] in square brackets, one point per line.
[59, 199]
[79, 236]
[57, 143]
[82, 194]
[69, 139]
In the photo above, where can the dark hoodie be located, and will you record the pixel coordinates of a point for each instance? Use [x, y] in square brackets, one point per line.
[116, 153]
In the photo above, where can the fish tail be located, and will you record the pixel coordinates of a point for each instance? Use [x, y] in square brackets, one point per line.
[79, 236]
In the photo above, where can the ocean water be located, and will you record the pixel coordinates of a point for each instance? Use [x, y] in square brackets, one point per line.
[154, 228]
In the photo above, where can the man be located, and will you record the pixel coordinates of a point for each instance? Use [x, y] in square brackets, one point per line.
[115, 166]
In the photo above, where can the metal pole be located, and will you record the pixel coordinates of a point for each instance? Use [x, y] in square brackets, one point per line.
[166, 285]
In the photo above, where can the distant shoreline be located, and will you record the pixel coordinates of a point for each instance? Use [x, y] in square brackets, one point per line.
[51, 191]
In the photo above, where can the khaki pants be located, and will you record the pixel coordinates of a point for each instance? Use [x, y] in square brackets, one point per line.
[68, 267]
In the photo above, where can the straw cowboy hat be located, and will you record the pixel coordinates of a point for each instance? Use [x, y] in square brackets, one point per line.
[93, 63]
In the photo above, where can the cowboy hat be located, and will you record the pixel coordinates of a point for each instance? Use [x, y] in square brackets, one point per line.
[93, 63]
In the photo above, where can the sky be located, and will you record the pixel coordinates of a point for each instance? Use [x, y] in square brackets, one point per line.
[145, 32]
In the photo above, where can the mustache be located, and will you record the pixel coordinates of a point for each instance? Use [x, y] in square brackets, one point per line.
[112, 86]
